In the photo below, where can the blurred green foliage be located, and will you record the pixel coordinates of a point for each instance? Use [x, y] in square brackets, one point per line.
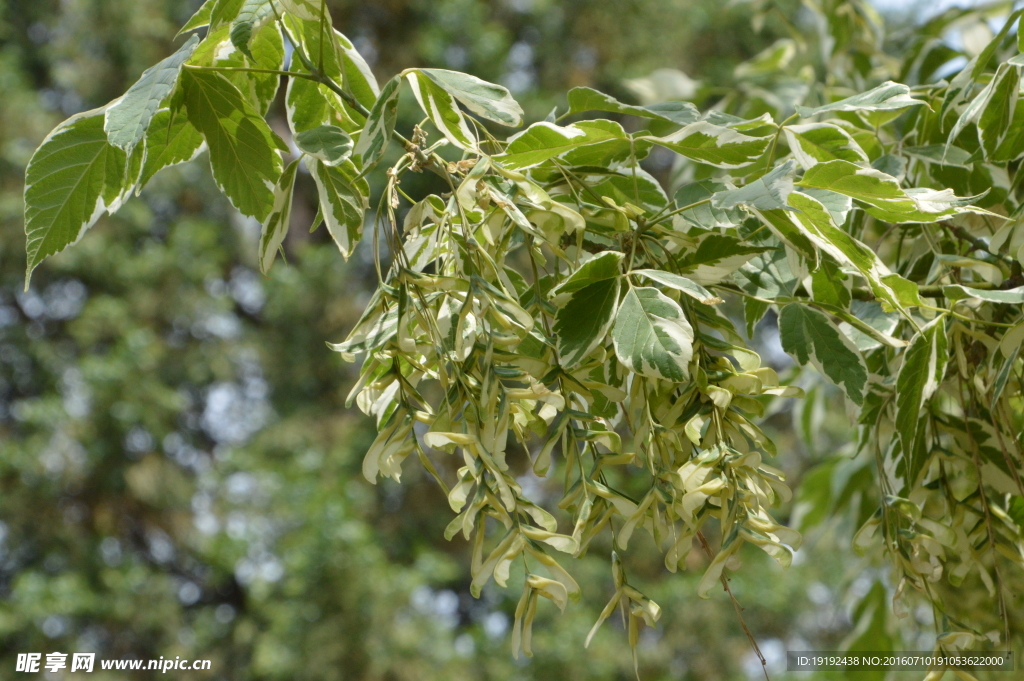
[179, 475]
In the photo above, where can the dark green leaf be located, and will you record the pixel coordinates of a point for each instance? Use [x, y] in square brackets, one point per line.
[329, 143]
[809, 336]
[924, 365]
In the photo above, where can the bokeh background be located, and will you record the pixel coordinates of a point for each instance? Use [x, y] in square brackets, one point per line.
[179, 475]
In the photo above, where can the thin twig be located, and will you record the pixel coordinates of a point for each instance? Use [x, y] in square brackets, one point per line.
[735, 604]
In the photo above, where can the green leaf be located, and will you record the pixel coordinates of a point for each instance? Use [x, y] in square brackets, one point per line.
[310, 104]
[486, 100]
[1014, 296]
[816, 223]
[994, 121]
[769, 61]
[652, 336]
[607, 146]
[171, 140]
[243, 149]
[343, 202]
[224, 11]
[380, 124]
[583, 321]
[73, 178]
[940, 154]
[329, 143]
[276, 226]
[838, 205]
[817, 142]
[588, 99]
[705, 215]
[254, 13]
[882, 194]
[888, 96]
[717, 256]
[827, 285]
[1012, 146]
[543, 141]
[359, 78]
[607, 265]
[687, 286]
[440, 107]
[128, 119]
[267, 50]
[791, 234]
[768, 192]
[809, 336]
[715, 145]
[924, 365]
[871, 314]
[341, 61]
[200, 19]
[997, 99]
[628, 185]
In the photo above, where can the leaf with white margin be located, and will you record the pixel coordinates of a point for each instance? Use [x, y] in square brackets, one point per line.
[716, 257]
[974, 108]
[838, 205]
[817, 142]
[244, 151]
[73, 178]
[687, 286]
[924, 365]
[607, 265]
[888, 96]
[607, 145]
[768, 192]
[587, 302]
[543, 141]
[487, 100]
[1013, 296]
[871, 314]
[588, 99]
[309, 104]
[705, 214]
[652, 336]
[268, 52]
[380, 124]
[200, 19]
[341, 59]
[714, 145]
[583, 322]
[883, 196]
[809, 336]
[276, 226]
[128, 119]
[171, 140]
[343, 202]
[442, 109]
[254, 13]
[816, 224]
[996, 118]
